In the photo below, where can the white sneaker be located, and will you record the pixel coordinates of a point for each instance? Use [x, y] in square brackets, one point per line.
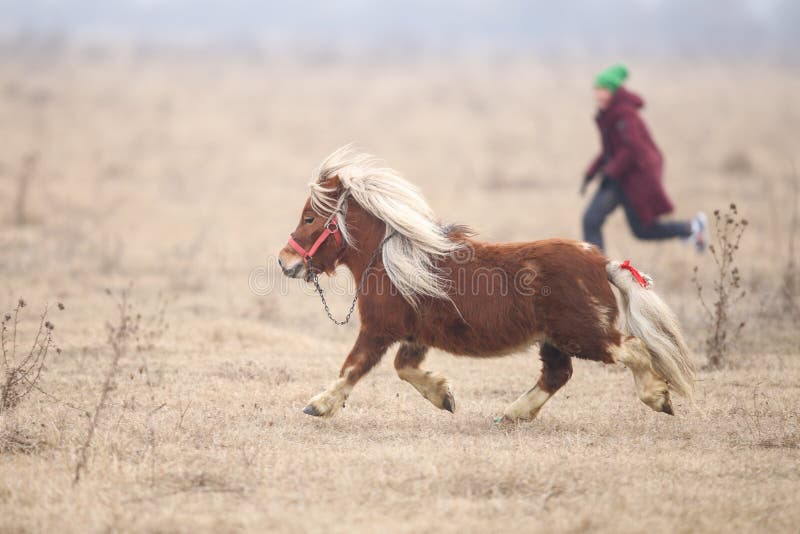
[699, 236]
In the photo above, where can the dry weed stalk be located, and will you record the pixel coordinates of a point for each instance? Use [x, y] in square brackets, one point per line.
[727, 285]
[149, 331]
[131, 333]
[119, 337]
[27, 172]
[20, 376]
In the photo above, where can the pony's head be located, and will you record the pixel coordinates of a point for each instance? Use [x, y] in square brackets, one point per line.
[317, 243]
[352, 189]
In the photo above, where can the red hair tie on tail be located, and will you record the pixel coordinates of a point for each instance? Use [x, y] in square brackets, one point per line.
[636, 274]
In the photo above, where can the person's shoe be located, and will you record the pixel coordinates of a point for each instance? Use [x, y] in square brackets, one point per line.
[699, 236]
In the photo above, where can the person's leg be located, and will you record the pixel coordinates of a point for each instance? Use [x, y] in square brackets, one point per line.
[658, 229]
[605, 200]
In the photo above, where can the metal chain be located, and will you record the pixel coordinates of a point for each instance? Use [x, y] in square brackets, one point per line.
[315, 279]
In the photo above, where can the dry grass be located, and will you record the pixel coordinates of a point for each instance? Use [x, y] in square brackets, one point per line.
[183, 173]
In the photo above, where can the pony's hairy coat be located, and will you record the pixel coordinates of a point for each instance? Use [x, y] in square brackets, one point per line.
[417, 238]
[648, 318]
[490, 299]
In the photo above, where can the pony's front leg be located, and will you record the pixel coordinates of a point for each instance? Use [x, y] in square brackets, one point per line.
[432, 386]
[367, 351]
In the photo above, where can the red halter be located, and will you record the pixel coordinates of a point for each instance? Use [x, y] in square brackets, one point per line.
[331, 229]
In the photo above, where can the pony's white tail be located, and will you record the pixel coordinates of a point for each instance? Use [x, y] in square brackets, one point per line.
[648, 318]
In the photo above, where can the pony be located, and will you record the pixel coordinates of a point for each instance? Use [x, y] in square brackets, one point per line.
[425, 284]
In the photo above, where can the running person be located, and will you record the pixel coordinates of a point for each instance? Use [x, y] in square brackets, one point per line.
[630, 165]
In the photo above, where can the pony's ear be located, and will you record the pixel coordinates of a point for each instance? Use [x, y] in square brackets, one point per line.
[333, 183]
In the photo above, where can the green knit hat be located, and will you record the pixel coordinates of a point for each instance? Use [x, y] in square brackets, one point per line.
[612, 77]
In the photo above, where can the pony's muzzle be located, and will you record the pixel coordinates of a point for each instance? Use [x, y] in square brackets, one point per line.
[291, 267]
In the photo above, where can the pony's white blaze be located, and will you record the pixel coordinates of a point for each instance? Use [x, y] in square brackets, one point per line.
[409, 257]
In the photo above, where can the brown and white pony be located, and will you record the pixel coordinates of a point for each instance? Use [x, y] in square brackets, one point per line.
[430, 285]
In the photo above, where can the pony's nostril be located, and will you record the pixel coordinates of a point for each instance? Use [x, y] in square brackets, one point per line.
[291, 272]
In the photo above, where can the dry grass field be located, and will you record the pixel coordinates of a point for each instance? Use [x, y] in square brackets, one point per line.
[179, 175]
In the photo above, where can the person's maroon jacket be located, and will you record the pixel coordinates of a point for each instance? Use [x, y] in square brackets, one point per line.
[631, 157]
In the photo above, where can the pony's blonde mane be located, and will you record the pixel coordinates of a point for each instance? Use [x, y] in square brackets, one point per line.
[418, 239]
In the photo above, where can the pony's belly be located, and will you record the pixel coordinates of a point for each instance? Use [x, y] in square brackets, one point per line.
[483, 344]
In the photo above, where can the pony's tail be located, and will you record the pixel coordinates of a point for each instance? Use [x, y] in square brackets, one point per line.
[648, 318]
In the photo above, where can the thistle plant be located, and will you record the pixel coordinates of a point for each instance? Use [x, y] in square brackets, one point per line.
[21, 369]
[727, 288]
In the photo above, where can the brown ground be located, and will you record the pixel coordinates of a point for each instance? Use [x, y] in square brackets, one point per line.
[183, 175]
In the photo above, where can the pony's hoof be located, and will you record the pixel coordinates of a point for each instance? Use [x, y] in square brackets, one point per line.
[664, 404]
[311, 410]
[659, 401]
[449, 402]
[504, 421]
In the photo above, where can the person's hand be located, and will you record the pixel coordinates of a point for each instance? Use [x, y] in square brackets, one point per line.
[585, 185]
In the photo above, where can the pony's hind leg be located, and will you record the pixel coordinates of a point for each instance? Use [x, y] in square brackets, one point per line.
[432, 386]
[556, 371]
[652, 388]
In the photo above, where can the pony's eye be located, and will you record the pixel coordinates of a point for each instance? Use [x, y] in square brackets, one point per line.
[308, 220]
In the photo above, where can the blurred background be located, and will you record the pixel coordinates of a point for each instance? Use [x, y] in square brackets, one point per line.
[169, 142]
[643, 27]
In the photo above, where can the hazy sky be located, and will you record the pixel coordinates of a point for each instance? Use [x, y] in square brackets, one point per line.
[677, 26]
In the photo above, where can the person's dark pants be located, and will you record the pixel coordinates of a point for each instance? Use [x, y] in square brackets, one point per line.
[606, 200]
